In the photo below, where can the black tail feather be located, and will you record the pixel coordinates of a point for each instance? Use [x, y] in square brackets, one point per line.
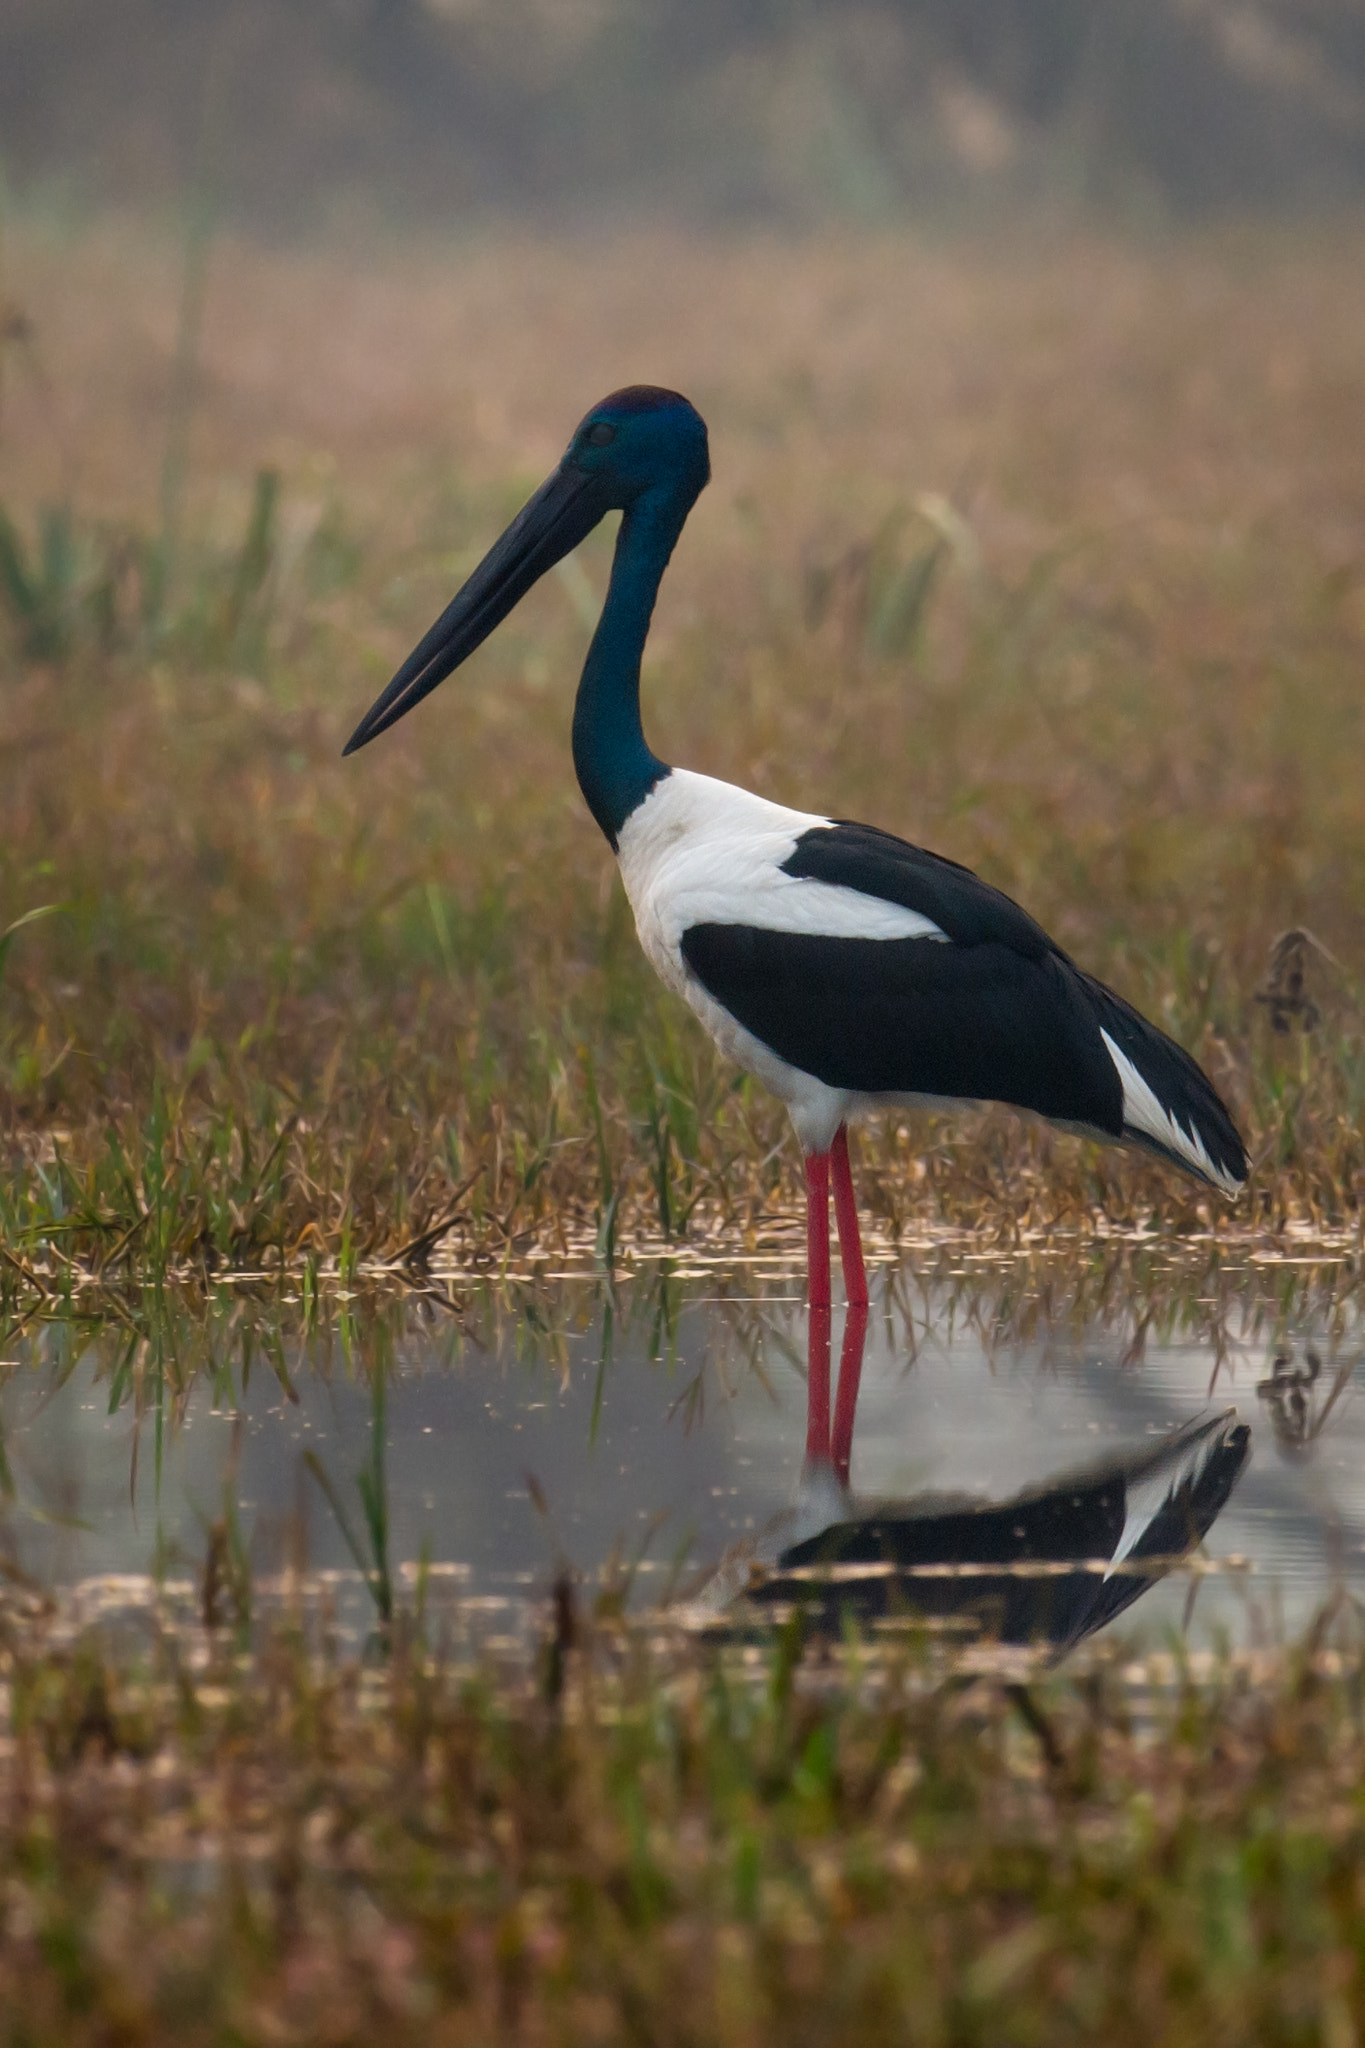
[1170, 1105]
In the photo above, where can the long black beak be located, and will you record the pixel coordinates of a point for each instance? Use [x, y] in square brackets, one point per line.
[562, 513]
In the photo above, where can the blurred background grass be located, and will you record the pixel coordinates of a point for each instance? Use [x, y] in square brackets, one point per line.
[788, 110]
[1037, 534]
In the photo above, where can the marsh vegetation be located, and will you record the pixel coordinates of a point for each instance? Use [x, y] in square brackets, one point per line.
[1046, 556]
[1046, 551]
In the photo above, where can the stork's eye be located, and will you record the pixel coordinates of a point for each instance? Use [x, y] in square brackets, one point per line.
[600, 435]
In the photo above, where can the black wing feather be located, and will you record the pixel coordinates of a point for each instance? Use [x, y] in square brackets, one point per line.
[998, 1014]
[1178, 1081]
[916, 1016]
[875, 863]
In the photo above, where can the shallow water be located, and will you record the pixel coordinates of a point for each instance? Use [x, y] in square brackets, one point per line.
[656, 1426]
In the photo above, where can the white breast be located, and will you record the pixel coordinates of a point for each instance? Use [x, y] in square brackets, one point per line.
[698, 851]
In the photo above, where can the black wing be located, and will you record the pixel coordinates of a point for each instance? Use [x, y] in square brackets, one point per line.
[916, 1017]
[998, 1014]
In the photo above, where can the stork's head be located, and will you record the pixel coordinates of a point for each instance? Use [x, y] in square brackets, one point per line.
[639, 444]
[642, 439]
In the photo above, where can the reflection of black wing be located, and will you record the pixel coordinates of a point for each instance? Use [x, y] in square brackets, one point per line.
[1050, 1567]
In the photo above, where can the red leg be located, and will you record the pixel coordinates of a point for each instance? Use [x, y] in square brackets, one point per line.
[846, 1216]
[817, 1387]
[817, 1229]
[846, 1401]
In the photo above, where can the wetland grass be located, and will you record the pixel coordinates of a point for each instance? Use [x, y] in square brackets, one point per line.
[1050, 555]
[1053, 558]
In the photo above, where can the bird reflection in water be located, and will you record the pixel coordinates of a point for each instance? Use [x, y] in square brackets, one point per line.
[1046, 1568]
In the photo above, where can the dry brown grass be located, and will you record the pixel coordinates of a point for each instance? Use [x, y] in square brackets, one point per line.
[1142, 714]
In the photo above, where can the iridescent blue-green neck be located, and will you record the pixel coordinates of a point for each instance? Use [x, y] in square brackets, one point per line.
[615, 767]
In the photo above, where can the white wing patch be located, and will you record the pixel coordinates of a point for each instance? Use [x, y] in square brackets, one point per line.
[765, 897]
[1143, 1110]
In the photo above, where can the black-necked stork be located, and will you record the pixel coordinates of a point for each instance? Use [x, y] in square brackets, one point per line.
[846, 969]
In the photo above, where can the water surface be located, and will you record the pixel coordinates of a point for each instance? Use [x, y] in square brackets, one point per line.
[652, 1427]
